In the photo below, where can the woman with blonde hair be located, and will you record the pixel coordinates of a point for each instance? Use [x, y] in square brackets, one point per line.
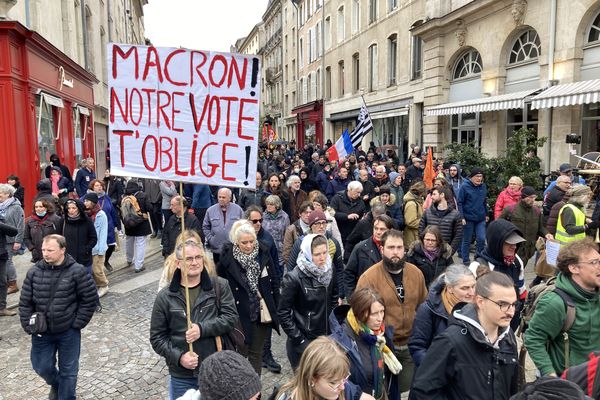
[323, 373]
[171, 260]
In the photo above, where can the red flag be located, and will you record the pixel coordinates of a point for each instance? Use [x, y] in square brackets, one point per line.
[429, 174]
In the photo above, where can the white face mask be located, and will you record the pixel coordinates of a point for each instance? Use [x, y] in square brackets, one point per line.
[297, 170]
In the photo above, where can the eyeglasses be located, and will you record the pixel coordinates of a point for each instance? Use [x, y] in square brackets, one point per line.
[595, 263]
[320, 223]
[504, 306]
[190, 260]
[339, 385]
[256, 221]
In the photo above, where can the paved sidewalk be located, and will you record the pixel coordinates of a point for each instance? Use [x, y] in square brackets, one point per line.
[117, 260]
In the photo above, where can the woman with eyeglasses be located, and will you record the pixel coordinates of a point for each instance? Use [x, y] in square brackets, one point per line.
[275, 221]
[247, 265]
[322, 374]
[309, 293]
[359, 329]
[456, 285]
[430, 254]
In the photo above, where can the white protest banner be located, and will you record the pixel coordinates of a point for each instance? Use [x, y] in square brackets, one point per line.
[183, 115]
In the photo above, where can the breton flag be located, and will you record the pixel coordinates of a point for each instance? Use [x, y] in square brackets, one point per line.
[349, 141]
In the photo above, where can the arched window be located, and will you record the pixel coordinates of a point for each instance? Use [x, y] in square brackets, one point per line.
[526, 47]
[594, 34]
[468, 65]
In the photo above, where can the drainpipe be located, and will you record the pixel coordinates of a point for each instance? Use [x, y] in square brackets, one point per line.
[296, 72]
[322, 83]
[27, 15]
[86, 60]
[109, 17]
[551, 81]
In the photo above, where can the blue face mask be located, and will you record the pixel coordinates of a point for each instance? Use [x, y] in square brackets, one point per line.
[42, 214]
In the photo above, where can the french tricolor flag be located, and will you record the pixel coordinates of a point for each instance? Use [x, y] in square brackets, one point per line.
[342, 148]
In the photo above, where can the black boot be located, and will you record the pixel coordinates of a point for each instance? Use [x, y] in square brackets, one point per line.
[270, 364]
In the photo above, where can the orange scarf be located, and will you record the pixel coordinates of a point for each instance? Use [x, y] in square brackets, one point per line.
[449, 300]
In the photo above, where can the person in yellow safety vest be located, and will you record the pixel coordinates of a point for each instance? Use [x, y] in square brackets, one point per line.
[572, 223]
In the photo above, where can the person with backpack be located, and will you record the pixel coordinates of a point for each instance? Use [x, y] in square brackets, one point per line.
[528, 219]
[134, 211]
[551, 345]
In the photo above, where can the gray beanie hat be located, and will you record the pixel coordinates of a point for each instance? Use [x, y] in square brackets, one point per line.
[226, 375]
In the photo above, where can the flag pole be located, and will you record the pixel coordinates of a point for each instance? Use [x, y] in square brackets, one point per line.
[185, 268]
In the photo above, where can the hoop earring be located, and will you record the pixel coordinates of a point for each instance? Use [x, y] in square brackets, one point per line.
[312, 384]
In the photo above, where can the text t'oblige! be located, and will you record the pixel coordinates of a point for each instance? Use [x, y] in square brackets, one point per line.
[183, 114]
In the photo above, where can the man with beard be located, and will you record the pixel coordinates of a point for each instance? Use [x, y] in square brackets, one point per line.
[402, 288]
[476, 356]
[444, 217]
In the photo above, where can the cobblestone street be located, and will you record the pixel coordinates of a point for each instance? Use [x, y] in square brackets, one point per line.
[117, 361]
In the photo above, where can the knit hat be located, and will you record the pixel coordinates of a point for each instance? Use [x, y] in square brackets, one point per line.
[549, 388]
[475, 171]
[316, 216]
[393, 176]
[528, 191]
[91, 196]
[226, 375]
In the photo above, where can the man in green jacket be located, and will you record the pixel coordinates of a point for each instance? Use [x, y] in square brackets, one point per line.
[579, 277]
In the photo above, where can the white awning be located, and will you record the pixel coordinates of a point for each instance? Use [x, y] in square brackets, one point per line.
[568, 94]
[83, 110]
[53, 101]
[485, 104]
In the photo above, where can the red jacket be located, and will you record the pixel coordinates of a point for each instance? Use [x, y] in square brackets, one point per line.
[506, 198]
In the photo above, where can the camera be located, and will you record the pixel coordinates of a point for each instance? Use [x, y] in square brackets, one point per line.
[573, 138]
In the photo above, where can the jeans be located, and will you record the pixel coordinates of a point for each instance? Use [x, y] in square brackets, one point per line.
[11, 272]
[405, 376]
[468, 229]
[139, 242]
[44, 351]
[178, 386]
[255, 349]
[3, 285]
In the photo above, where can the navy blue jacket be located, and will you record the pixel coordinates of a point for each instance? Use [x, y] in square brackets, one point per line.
[472, 201]
[347, 339]
[82, 181]
[430, 321]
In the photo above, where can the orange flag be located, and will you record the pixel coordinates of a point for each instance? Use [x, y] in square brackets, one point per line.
[429, 174]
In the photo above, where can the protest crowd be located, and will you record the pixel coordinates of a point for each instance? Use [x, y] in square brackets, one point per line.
[384, 278]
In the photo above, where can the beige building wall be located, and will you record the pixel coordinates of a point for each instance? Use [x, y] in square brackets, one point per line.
[388, 92]
[81, 29]
[491, 27]
[290, 68]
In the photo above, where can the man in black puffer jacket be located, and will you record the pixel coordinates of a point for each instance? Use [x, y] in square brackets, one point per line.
[444, 217]
[71, 310]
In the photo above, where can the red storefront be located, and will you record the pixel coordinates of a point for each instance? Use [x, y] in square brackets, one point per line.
[46, 103]
[310, 123]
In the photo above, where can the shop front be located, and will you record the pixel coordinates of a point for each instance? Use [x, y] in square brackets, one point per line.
[46, 103]
[309, 126]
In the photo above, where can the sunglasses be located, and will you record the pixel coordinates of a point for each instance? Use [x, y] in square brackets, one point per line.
[256, 221]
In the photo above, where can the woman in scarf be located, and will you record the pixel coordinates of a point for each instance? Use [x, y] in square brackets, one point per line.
[509, 196]
[60, 185]
[79, 232]
[247, 265]
[275, 221]
[274, 185]
[42, 222]
[430, 253]
[105, 203]
[308, 295]
[359, 329]
[456, 285]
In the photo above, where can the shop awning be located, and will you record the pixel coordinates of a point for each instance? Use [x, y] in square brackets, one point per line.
[53, 101]
[568, 94]
[485, 104]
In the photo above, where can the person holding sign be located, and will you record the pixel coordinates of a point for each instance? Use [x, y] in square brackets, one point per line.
[171, 332]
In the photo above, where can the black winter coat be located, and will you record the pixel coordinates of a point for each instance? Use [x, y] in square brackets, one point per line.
[305, 306]
[449, 221]
[36, 229]
[75, 298]
[5, 230]
[81, 236]
[168, 322]
[172, 229]
[430, 269]
[363, 256]
[462, 364]
[268, 286]
[144, 228]
[343, 207]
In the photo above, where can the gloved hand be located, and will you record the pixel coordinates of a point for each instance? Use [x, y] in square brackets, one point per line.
[594, 225]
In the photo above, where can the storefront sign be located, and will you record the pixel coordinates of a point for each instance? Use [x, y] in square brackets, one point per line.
[183, 115]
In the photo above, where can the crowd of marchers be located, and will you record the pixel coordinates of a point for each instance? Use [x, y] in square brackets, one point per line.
[354, 261]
